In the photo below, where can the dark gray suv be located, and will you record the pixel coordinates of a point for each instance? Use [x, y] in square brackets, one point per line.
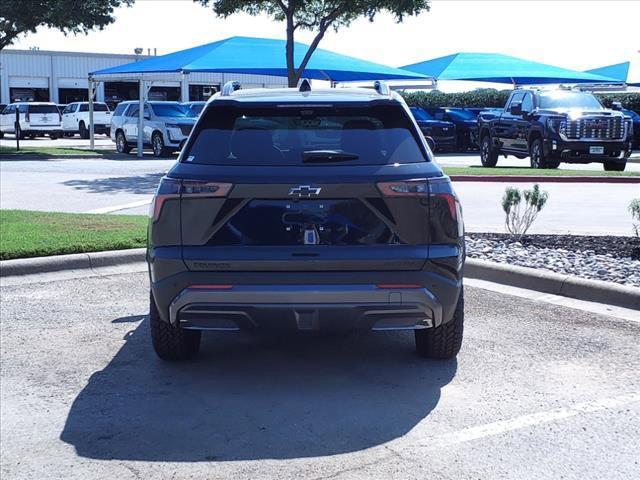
[306, 210]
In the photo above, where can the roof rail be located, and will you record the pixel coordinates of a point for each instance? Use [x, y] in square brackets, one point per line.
[305, 86]
[230, 87]
[381, 87]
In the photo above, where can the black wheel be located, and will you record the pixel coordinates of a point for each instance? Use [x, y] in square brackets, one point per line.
[54, 136]
[431, 142]
[442, 342]
[121, 143]
[536, 154]
[32, 136]
[1, 135]
[614, 166]
[84, 131]
[552, 163]
[170, 342]
[488, 155]
[157, 143]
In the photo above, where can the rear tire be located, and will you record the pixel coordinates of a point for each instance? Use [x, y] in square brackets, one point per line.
[84, 132]
[488, 155]
[442, 342]
[171, 343]
[121, 143]
[20, 134]
[614, 166]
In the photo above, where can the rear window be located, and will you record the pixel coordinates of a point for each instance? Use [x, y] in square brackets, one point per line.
[43, 109]
[305, 135]
[97, 107]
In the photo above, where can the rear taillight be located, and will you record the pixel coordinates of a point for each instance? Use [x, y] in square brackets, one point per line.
[405, 188]
[424, 188]
[170, 188]
[194, 188]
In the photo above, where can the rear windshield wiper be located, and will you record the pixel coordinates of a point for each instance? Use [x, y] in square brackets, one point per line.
[311, 156]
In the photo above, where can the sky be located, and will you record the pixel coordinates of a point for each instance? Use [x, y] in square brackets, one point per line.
[572, 34]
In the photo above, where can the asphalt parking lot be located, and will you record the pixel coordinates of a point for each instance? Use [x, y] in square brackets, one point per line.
[539, 391]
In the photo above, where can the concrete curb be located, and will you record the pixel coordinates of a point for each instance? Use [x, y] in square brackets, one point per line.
[523, 277]
[554, 283]
[76, 261]
[541, 179]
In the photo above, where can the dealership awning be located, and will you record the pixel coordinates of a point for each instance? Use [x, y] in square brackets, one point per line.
[260, 56]
[498, 68]
[619, 71]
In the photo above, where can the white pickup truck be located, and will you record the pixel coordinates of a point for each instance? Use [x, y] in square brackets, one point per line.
[75, 119]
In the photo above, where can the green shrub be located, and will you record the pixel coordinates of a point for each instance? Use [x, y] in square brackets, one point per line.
[519, 218]
[492, 98]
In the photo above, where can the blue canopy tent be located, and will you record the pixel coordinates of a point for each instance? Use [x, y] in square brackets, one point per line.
[245, 55]
[498, 68]
[619, 71]
[261, 56]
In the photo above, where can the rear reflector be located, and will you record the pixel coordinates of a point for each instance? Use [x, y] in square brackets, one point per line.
[399, 285]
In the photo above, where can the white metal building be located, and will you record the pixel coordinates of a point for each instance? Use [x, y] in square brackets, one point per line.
[61, 77]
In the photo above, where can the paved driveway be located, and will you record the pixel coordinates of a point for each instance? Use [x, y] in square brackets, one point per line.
[538, 391]
[126, 186]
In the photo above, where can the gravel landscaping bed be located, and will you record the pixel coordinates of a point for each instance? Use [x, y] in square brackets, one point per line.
[608, 258]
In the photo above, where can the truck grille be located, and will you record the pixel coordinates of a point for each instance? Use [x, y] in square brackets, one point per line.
[443, 131]
[595, 128]
[186, 129]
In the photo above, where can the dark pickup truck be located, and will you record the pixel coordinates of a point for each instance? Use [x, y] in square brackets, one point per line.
[553, 126]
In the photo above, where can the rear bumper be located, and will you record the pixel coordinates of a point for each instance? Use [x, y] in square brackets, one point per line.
[579, 152]
[305, 307]
[42, 130]
[305, 300]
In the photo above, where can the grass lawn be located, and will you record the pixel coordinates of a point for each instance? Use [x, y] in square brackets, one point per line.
[25, 233]
[52, 151]
[536, 172]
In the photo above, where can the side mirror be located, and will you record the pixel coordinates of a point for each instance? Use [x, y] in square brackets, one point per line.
[147, 116]
[616, 106]
[516, 109]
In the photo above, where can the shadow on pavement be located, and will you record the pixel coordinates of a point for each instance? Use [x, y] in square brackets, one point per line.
[139, 184]
[252, 396]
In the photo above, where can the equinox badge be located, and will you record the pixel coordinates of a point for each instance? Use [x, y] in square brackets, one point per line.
[304, 191]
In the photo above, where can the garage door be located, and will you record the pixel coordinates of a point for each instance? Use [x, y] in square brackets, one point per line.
[72, 83]
[25, 82]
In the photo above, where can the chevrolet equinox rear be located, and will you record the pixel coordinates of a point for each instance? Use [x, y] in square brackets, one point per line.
[306, 210]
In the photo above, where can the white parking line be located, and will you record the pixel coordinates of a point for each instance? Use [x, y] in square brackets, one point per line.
[116, 208]
[531, 420]
[593, 307]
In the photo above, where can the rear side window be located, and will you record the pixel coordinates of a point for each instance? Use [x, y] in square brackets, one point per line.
[43, 109]
[69, 108]
[97, 107]
[119, 109]
[293, 134]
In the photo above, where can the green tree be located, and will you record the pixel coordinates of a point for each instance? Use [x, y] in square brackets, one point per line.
[69, 16]
[315, 15]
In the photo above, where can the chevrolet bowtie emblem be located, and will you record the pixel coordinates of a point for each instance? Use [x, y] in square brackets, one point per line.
[304, 191]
